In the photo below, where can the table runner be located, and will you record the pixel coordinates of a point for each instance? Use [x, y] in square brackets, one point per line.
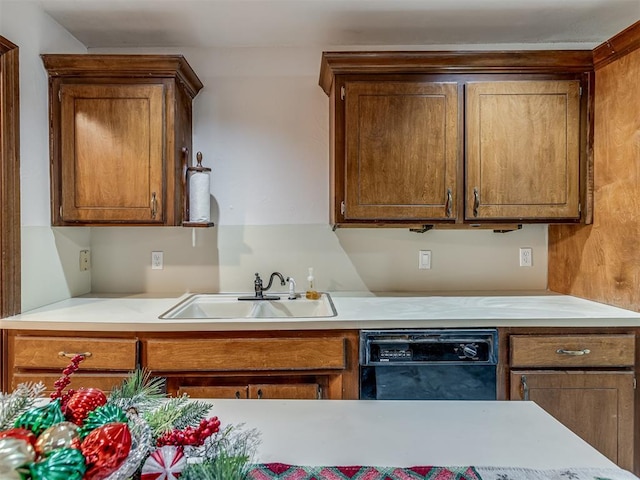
[280, 471]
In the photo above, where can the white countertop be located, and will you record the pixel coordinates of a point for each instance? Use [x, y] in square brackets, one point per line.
[409, 433]
[355, 311]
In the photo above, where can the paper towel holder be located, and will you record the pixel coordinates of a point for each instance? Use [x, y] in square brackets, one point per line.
[187, 171]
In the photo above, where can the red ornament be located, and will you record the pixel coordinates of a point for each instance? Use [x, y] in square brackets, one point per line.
[21, 434]
[105, 449]
[82, 402]
[166, 463]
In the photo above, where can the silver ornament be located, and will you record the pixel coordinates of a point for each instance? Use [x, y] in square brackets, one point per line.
[60, 435]
[13, 454]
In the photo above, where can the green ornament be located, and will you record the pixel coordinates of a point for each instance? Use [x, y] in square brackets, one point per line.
[60, 464]
[38, 419]
[108, 413]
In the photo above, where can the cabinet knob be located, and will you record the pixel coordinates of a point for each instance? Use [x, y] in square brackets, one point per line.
[260, 393]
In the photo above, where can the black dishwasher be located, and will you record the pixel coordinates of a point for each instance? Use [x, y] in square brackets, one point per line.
[433, 364]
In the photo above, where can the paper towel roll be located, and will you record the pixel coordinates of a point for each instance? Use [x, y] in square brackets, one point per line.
[199, 209]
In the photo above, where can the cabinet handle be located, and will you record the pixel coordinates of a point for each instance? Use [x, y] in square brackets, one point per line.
[154, 205]
[237, 394]
[575, 353]
[525, 387]
[449, 202]
[259, 393]
[72, 354]
[476, 201]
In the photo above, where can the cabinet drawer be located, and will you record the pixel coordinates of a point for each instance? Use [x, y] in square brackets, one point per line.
[103, 382]
[572, 351]
[56, 352]
[252, 354]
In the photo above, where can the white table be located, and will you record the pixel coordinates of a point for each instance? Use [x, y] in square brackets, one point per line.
[409, 433]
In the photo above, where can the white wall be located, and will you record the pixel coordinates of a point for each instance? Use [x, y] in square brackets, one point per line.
[48, 255]
[262, 123]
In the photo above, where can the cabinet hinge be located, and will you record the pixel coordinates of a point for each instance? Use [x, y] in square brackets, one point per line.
[342, 93]
[342, 208]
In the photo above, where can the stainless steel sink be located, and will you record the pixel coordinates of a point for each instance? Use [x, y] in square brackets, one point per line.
[213, 305]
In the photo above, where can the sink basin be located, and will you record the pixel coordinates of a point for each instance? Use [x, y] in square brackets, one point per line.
[209, 305]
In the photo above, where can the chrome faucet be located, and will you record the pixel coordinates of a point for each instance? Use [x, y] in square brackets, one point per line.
[260, 289]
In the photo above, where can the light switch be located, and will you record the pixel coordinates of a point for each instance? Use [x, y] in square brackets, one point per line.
[424, 259]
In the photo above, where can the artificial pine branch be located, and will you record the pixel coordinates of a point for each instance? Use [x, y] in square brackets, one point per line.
[176, 413]
[12, 405]
[140, 391]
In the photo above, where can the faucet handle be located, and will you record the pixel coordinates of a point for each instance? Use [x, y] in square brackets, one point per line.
[292, 288]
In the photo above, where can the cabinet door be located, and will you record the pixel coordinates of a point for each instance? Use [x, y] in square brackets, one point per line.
[401, 150]
[597, 406]
[523, 150]
[112, 153]
[295, 391]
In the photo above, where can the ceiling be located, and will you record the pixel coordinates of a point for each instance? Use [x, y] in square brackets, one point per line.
[327, 23]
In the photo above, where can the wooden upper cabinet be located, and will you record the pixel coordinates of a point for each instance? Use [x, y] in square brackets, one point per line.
[401, 150]
[120, 138]
[455, 138]
[523, 150]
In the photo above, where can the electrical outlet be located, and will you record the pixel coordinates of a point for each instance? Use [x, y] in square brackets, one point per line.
[424, 259]
[85, 260]
[157, 261]
[526, 257]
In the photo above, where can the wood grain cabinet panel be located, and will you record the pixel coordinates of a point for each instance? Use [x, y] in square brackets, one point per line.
[523, 150]
[401, 150]
[253, 354]
[112, 152]
[104, 382]
[597, 406]
[56, 352]
[120, 138]
[564, 351]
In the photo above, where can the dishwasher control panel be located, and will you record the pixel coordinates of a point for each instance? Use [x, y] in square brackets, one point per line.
[378, 347]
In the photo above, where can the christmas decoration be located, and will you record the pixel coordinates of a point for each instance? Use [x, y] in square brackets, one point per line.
[60, 435]
[60, 464]
[13, 404]
[105, 449]
[82, 402]
[38, 419]
[13, 454]
[65, 380]
[21, 434]
[102, 415]
[115, 436]
[166, 463]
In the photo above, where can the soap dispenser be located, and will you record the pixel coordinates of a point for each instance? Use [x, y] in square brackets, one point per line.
[312, 294]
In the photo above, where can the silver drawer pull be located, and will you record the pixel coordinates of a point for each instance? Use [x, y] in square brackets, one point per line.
[72, 354]
[575, 353]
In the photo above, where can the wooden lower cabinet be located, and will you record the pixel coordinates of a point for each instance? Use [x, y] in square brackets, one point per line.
[267, 365]
[585, 378]
[597, 406]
